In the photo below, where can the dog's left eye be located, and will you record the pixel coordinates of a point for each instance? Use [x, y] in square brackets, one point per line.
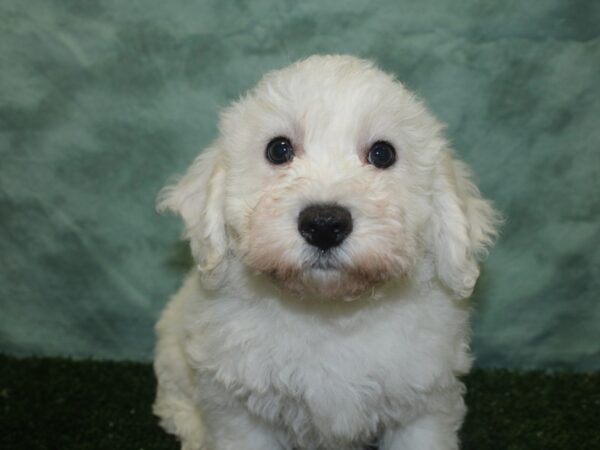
[382, 155]
[280, 150]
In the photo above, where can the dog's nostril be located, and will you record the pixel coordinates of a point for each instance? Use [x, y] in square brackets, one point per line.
[325, 226]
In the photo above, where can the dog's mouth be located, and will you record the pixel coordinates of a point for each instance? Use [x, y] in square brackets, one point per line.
[332, 273]
[326, 261]
[326, 277]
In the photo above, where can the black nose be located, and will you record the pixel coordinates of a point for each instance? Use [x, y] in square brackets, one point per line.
[325, 226]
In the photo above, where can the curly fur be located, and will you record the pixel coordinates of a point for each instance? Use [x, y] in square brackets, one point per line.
[262, 348]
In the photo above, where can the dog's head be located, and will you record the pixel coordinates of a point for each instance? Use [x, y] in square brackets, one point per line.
[330, 177]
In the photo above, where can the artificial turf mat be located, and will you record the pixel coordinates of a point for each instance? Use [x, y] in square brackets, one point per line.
[66, 405]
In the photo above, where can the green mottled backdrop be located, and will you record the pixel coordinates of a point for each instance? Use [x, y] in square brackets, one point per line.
[101, 101]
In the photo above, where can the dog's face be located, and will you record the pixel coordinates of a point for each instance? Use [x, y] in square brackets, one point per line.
[331, 178]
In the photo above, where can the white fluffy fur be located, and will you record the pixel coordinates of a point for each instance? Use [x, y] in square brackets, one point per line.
[261, 349]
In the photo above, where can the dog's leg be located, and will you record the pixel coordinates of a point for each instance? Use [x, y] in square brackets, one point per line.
[175, 392]
[181, 418]
[425, 433]
[233, 428]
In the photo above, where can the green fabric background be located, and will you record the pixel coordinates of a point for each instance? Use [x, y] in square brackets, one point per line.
[101, 101]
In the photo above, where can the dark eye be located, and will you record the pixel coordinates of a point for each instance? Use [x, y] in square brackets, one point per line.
[280, 150]
[382, 155]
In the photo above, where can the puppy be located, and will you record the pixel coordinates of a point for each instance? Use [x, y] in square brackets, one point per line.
[336, 239]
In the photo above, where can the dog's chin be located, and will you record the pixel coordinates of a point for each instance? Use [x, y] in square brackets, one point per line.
[329, 275]
[329, 282]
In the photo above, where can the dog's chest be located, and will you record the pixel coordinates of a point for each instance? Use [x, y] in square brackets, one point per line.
[317, 380]
[317, 390]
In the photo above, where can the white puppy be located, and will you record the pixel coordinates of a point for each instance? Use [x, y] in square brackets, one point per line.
[336, 240]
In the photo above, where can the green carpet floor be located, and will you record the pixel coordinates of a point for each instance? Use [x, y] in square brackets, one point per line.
[61, 404]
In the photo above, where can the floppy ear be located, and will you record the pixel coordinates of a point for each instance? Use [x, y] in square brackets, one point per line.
[198, 198]
[463, 223]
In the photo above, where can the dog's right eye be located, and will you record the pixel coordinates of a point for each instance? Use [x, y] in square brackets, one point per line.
[279, 150]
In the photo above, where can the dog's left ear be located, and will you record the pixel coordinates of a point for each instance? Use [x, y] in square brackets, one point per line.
[463, 225]
[198, 198]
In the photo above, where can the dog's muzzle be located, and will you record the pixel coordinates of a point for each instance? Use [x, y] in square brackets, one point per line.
[325, 226]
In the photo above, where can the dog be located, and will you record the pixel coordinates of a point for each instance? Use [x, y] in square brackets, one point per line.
[337, 239]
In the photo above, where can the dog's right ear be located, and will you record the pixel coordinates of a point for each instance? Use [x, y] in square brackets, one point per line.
[198, 198]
